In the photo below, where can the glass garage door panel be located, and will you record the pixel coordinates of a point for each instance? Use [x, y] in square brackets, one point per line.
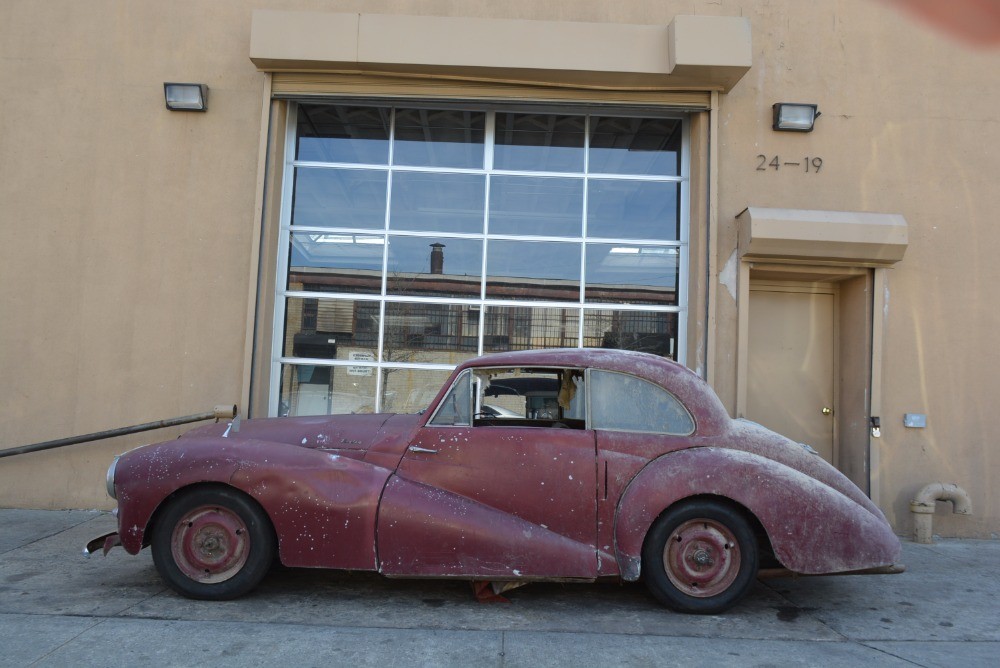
[633, 209]
[536, 270]
[440, 138]
[539, 142]
[632, 274]
[322, 328]
[434, 267]
[339, 133]
[536, 206]
[437, 202]
[321, 262]
[348, 198]
[647, 146]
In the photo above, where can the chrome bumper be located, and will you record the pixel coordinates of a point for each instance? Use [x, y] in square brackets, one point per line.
[103, 543]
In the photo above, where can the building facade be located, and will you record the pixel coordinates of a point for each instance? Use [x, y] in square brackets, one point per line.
[380, 190]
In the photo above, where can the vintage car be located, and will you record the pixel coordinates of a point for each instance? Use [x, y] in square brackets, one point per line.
[569, 465]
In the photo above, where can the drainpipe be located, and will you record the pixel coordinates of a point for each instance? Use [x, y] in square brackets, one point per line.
[922, 507]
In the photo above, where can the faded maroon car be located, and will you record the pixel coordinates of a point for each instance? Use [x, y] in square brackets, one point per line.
[542, 465]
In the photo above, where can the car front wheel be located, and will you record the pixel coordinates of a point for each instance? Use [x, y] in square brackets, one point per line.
[700, 557]
[212, 543]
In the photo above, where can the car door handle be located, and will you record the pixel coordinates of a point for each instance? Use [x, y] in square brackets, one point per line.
[417, 448]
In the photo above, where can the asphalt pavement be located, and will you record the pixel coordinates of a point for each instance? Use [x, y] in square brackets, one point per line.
[59, 609]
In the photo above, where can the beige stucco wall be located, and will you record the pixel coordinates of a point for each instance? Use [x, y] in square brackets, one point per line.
[127, 231]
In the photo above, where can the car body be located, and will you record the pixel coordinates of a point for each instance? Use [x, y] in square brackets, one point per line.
[584, 464]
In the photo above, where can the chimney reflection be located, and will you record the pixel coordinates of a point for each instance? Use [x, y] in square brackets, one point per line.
[437, 258]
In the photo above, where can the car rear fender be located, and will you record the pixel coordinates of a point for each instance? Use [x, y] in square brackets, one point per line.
[812, 527]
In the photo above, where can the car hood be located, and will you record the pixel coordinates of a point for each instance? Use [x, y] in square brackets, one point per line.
[324, 432]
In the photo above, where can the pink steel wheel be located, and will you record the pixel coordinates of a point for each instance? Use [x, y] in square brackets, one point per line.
[701, 558]
[210, 544]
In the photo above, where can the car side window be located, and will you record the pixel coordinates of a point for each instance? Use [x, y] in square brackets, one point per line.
[456, 408]
[529, 397]
[626, 403]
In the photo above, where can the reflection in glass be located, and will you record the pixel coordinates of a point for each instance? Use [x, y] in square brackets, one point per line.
[644, 331]
[527, 328]
[436, 202]
[308, 389]
[325, 328]
[635, 146]
[540, 270]
[633, 209]
[430, 333]
[456, 406]
[339, 198]
[531, 205]
[631, 274]
[539, 142]
[411, 390]
[439, 138]
[426, 266]
[339, 133]
[335, 262]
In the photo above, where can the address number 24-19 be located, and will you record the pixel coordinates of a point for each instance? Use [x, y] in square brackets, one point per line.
[810, 165]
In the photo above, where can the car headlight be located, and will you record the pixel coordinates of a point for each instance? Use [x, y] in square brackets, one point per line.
[110, 479]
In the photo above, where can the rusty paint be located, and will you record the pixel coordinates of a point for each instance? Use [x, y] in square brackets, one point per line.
[509, 503]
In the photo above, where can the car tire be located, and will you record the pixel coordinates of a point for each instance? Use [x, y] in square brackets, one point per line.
[700, 557]
[212, 543]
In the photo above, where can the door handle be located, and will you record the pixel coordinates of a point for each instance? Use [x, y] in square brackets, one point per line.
[827, 411]
[417, 448]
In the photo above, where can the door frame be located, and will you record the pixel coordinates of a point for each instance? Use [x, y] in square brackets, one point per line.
[837, 274]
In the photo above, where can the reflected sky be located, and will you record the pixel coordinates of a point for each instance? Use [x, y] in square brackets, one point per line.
[437, 202]
[339, 133]
[339, 198]
[540, 206]
[539, 142]
[633, 209]
[440, 138]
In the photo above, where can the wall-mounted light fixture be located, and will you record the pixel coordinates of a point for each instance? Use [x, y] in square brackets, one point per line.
[186, 96]
[792, 117]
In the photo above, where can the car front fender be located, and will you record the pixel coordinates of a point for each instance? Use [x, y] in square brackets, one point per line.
[147, 476]
[812, 527]
[322, 505]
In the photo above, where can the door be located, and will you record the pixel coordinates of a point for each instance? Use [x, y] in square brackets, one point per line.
[791, 362]
[507, 494]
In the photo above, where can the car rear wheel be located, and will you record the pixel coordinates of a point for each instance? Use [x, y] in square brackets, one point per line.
[700, 557]
[212, 543]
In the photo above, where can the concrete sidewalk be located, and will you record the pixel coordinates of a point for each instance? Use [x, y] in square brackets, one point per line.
[57, 608]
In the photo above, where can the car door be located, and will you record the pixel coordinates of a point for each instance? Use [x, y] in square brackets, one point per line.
[493, 497]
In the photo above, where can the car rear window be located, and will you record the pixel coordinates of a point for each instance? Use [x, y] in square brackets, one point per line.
[626, 403]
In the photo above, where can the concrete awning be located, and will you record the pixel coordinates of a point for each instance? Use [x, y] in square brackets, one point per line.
[691, 53]
[832, 237]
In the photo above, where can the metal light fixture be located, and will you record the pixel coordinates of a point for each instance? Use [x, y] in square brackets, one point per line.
[186, 96]
[793, 117]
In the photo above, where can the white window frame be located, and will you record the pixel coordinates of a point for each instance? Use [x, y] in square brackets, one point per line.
[285, 230]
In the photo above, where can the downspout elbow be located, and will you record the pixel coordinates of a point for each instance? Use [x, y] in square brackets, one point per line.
[922, 507]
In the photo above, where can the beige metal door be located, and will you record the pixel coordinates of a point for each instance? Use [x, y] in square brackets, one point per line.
[791, 362]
